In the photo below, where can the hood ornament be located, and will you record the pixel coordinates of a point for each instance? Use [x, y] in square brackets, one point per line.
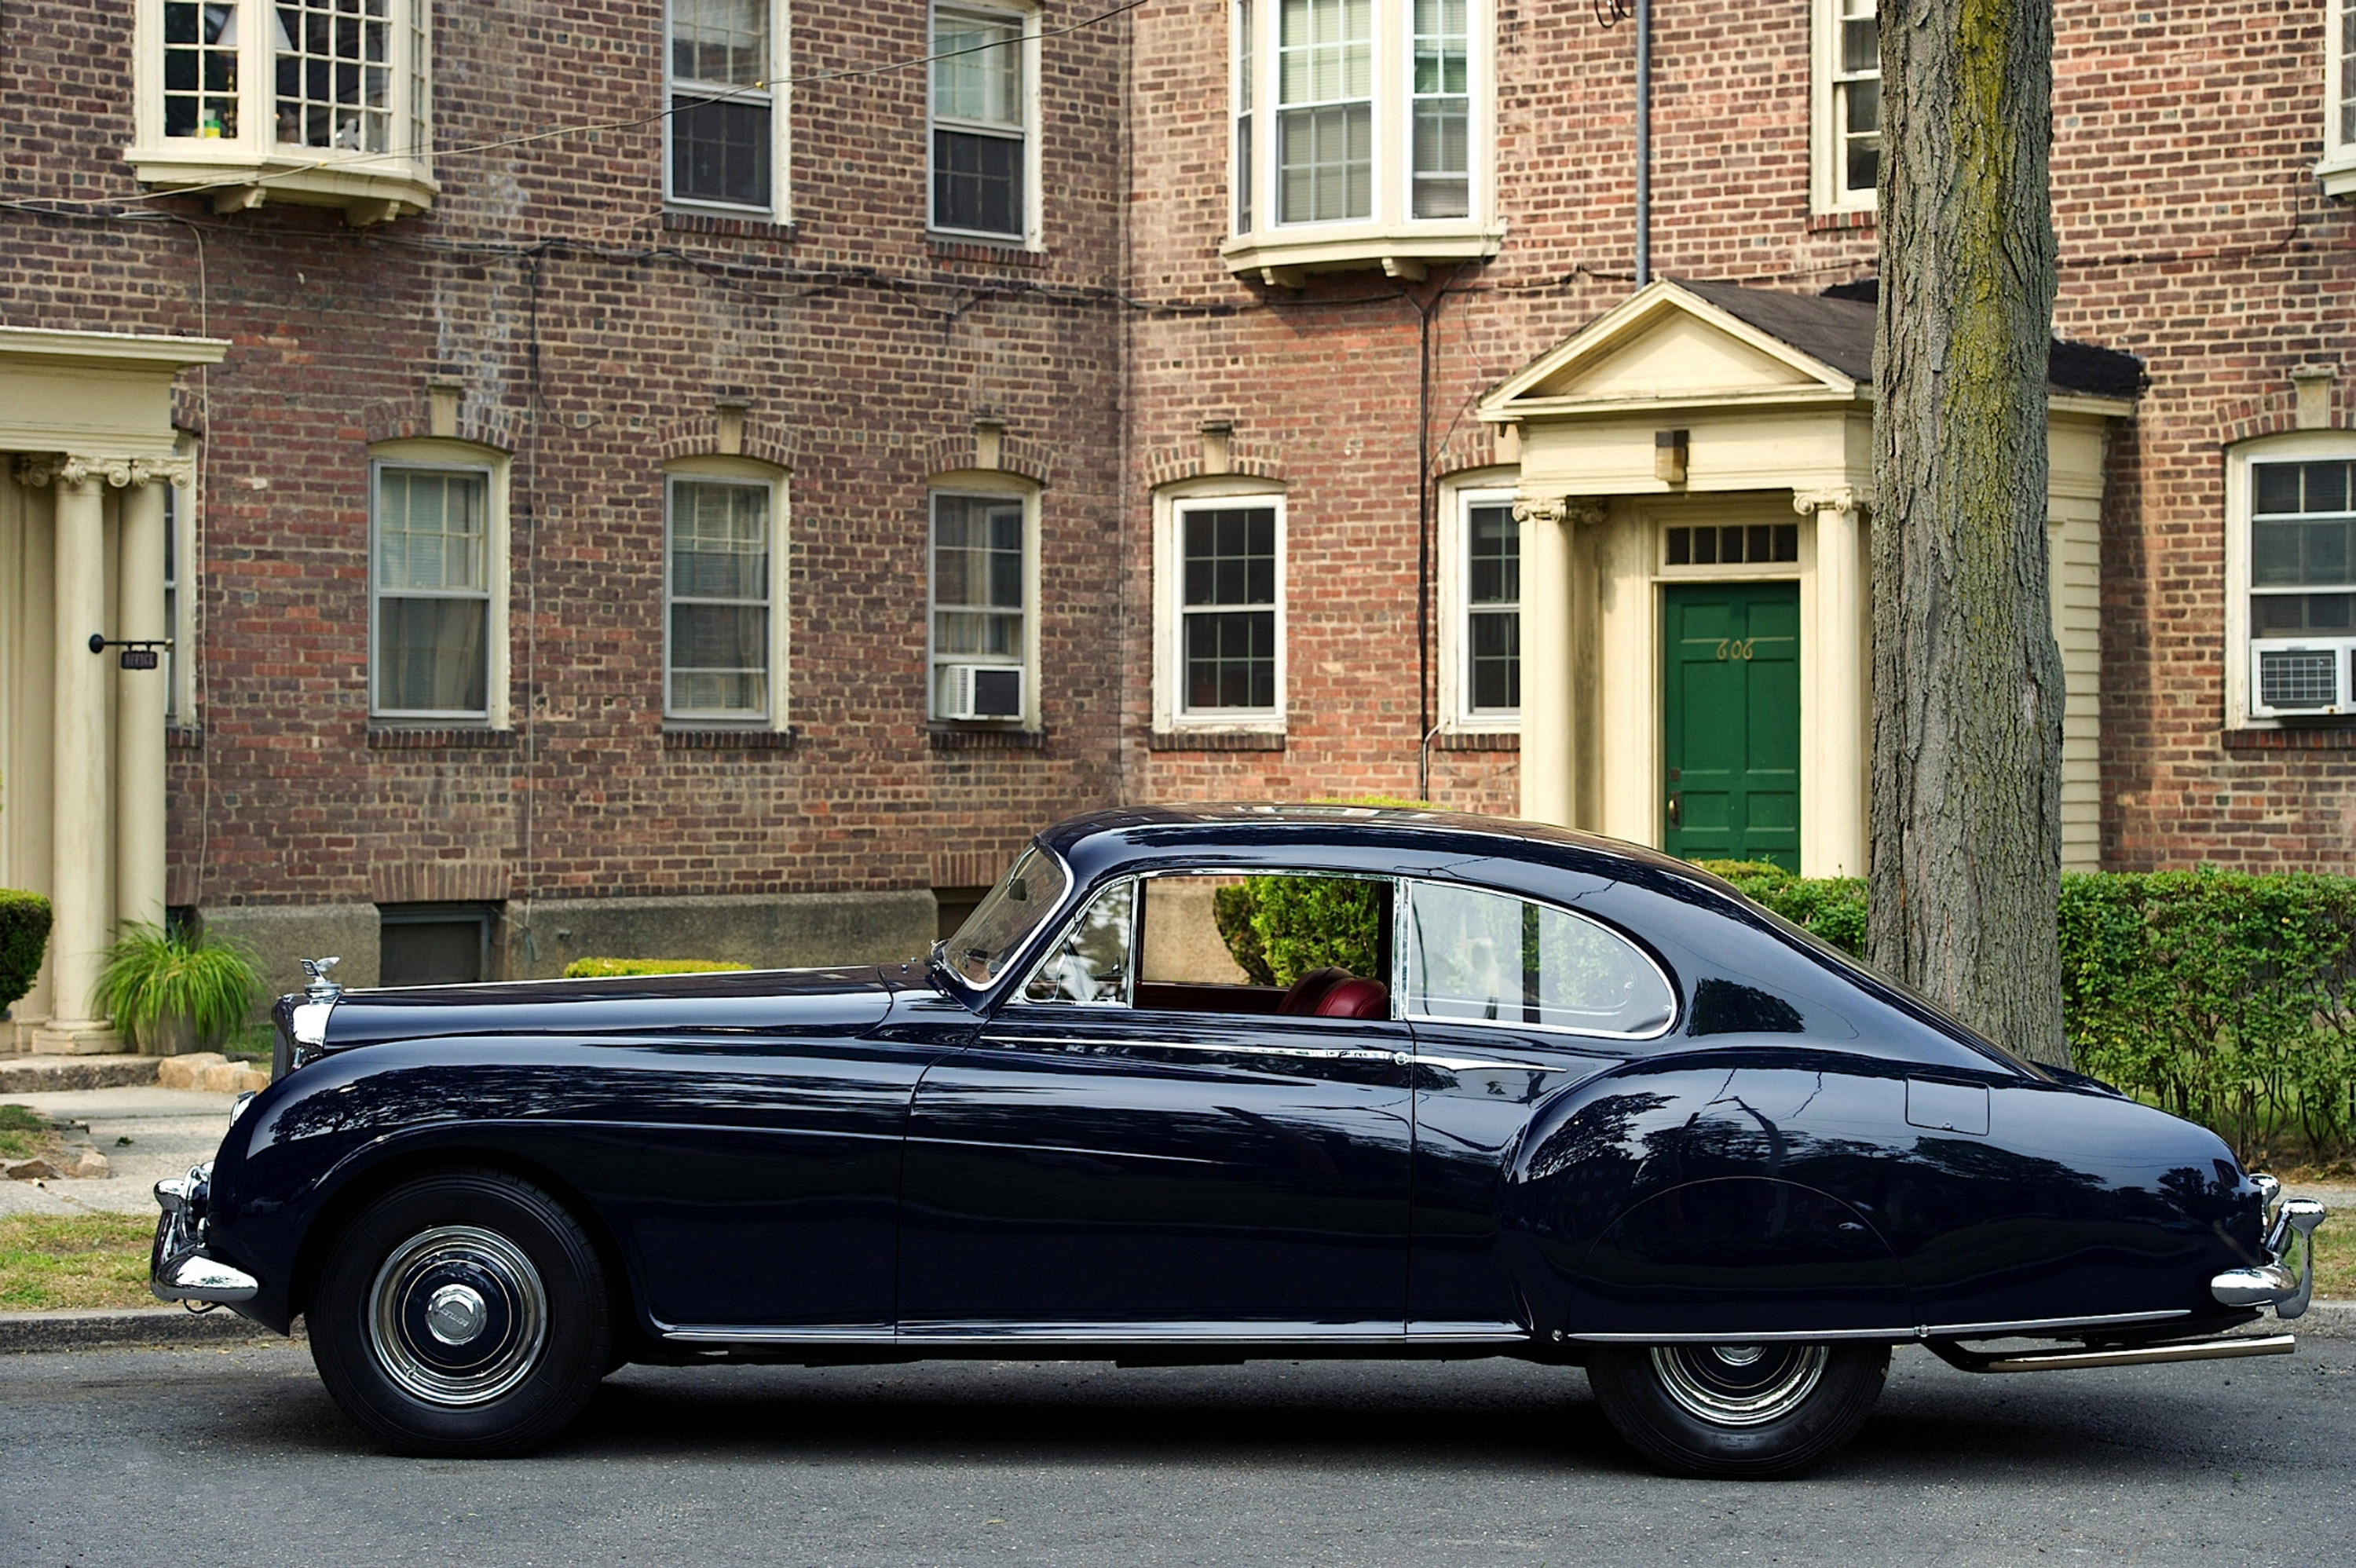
[322, 987]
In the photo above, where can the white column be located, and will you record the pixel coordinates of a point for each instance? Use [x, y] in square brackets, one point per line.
[1549, 792]
[82, 793]
[139, 709]
[1833, 801]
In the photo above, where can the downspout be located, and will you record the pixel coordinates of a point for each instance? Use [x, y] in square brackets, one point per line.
[1644, 143]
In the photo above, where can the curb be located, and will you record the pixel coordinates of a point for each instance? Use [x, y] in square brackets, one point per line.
[125, 1329]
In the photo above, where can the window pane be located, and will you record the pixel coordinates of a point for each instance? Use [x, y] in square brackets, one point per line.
[983, 633]
[1442, 183]
[1497, 660]
[720, 541]
[721, 41]
[978, 551]
[1474, 954]
[2301, 614]
[718, 657]
[430, 655]
[430, 531]
[720, 152]
[1856, 98]
[1230, 556]
[335, 85]
[1494, 541]
[982, 76]
[199, 69]
[1091, 964]
[1230, 659]
[978, 182]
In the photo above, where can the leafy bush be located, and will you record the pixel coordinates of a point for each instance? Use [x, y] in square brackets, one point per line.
[154, 973]
[23, 937]
[2225, 997]
[1831, 909]
[2220, 996]
[1280, 928]
[606, 968]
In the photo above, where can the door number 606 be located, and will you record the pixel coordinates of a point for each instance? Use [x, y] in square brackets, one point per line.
[1735, 649]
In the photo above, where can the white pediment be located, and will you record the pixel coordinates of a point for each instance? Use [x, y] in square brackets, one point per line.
[1664, 344]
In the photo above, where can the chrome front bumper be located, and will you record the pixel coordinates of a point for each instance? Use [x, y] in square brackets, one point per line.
[178, 1269]
[2272, 1284]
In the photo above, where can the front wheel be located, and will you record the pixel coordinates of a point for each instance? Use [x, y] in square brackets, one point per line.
[1752, 1412]
[462, 1315]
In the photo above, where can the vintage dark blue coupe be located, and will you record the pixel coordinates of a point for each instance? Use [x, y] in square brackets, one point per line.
[1199, 1084]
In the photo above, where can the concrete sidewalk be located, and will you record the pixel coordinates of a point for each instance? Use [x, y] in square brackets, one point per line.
[145, 1133]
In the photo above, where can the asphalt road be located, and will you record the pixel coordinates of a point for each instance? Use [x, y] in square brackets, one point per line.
[237, 1456]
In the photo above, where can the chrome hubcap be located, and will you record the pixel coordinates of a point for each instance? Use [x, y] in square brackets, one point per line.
[457, 1315]
[1740, 1386]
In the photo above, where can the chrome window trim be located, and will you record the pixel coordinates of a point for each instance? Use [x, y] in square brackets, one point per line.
[1398, 959]
[1021, 997]
[1071, 887]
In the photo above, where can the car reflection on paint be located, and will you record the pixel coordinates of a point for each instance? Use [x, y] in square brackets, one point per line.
[1204, 1084]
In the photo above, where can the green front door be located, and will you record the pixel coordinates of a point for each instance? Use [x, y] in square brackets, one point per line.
[1732, 730]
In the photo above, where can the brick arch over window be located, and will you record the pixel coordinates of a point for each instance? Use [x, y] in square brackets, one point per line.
[763, 441]
[2277, 413]
[961, 452]
[479, 424]
[1246, 459]
[1466, 449]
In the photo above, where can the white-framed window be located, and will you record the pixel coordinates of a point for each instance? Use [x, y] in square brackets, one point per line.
[2338, 169]
[1360, 130]
[982, 599]
[1219, 606]
[2290, 563]
[1480, 592]
[437, 583]
[984, 154]
[313, 100]
[723, 593]
[176, 552]
[724, 138]
[1845, 152]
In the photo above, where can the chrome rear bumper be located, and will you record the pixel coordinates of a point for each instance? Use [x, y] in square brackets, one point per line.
[2272, 1284]
[177, 1267]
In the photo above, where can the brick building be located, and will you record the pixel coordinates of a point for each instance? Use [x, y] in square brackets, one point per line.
[703, 477]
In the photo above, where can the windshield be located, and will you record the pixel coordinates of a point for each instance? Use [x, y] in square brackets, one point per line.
[1002, 923]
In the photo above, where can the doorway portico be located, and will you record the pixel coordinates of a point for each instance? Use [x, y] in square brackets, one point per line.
[1710, 444]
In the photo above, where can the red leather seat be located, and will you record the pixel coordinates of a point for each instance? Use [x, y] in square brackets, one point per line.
[1301, 1001]
[1357, 999]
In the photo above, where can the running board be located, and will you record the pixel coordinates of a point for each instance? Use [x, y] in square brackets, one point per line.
[2219, 1349]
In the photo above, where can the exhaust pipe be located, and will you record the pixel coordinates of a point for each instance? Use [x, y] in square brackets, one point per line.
[2224, 1348]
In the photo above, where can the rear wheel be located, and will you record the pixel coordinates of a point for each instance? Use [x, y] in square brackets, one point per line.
[1740, 1411]
[462, 1315]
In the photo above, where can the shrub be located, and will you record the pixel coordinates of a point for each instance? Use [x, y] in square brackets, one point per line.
[1280, 928]
[1831, 909]
[606, 968]
[23, 937]
[2225, 997]
[154, 973]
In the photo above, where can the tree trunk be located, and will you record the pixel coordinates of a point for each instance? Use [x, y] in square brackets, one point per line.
[1966, 831]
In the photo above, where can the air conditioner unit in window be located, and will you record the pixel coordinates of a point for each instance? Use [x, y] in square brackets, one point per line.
[2308, 679]
[982, 691]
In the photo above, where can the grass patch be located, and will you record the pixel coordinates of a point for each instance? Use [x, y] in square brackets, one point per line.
[23, 1133]
[51, 1262]
[2335, 1259]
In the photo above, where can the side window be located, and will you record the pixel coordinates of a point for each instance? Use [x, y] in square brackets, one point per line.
[1495, 958]
[1091, 964]
[1296, 944]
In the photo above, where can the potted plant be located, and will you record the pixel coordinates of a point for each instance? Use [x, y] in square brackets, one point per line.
[173, 989]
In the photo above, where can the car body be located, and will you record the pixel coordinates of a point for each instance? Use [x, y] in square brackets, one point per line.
[1679, 1142]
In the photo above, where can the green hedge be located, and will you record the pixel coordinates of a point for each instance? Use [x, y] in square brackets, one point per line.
[2223, 997]
[1280, 928]
[607, 969]
[23, 937]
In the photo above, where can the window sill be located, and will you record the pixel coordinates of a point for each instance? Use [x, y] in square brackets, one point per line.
[2339, 177]
[1006, 252]
[368, 190]
[1845, 218]
[677, 222]
[721, 737]
[951, 737]
[2326, 736]
[1216, 741]
[1285, 259]
[183, 738]
[1477, 741]
[438, 737]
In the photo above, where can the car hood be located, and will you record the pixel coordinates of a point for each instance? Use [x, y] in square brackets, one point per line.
[761, 1001]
